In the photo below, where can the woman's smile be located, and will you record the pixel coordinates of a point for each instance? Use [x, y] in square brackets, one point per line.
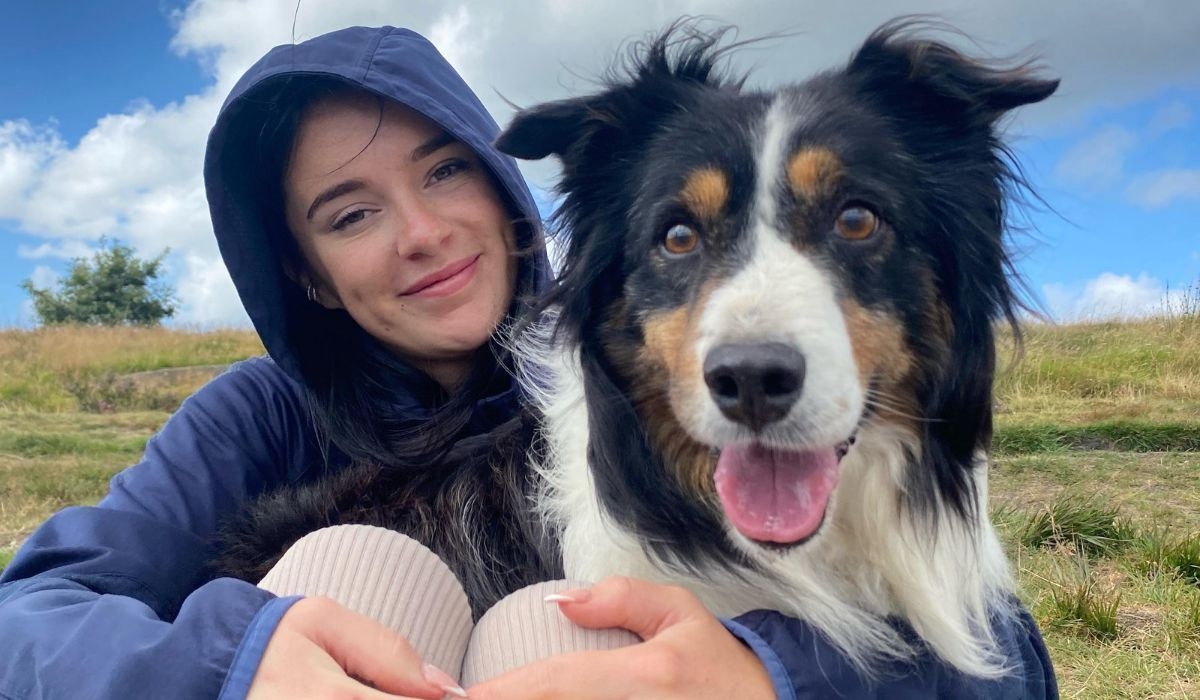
[446, 281]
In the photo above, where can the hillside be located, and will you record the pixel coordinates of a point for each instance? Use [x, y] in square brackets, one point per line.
[1095, 485]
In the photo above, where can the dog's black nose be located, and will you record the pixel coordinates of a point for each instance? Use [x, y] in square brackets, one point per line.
[754, 384]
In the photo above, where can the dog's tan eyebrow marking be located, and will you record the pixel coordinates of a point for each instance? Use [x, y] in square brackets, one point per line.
[813, 172]
[705, 193]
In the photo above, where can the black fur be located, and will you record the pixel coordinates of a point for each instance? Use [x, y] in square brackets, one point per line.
[475, 516]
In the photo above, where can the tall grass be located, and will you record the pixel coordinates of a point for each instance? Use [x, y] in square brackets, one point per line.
[81, 368]
[1087, 372]
[1086, 524]
[1086, 610]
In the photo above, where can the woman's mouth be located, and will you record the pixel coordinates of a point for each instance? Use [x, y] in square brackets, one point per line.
[445, 281]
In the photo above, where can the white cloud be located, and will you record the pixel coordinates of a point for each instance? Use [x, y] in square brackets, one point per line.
[43, 277]
[208, 297]
[65, 250]
[1099, 160]
[1171, 117]
[24, 150]
[136, 175]
[1110, 296]
[1162, 187]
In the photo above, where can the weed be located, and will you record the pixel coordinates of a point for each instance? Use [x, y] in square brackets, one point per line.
[1085, 524]
[1086, 611]
[1162, 553]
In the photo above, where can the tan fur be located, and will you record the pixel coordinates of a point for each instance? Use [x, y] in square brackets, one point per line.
[668, 364]
[884, 359]
[706, 193]
[814, 172]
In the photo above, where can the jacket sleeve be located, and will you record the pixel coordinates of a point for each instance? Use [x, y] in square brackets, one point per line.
[115, 601]
[804, 666]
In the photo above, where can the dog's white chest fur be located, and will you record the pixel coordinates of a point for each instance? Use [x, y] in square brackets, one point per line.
[869, 561]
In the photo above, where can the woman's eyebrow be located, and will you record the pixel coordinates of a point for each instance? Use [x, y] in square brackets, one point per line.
[441, 140]
[344, 187]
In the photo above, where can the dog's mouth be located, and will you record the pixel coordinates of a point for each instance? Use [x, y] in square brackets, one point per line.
[778, 497]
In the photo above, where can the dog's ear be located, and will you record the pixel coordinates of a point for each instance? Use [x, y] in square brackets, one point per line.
[568, 129]
[940, 82]
[544, 130]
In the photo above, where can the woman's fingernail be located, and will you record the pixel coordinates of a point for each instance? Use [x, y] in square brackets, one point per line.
[575, 595]
[441, 679]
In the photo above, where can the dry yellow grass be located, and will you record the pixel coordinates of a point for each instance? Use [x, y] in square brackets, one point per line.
[47, 368]
[1079, 373]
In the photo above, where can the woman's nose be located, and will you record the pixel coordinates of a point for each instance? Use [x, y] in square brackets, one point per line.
[423, 230]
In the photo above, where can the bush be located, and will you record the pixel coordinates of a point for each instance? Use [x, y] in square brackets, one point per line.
[111, 288]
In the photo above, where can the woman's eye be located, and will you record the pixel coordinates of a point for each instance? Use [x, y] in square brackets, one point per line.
[349, 218]
[856, 223]
[681, 240]
[446, 170]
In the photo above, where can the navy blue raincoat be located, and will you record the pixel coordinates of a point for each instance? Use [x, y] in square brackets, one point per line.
[115, 601]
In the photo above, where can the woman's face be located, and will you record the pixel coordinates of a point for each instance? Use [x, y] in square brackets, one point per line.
[400, 225]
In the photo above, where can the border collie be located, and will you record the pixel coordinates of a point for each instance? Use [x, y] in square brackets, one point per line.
[766, 368]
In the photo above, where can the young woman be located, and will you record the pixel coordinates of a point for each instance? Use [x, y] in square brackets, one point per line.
[377, 240]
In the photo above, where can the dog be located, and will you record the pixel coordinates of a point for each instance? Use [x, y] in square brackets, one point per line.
[765, 370]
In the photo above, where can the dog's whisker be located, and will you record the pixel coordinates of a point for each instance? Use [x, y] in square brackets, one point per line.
[894, 409]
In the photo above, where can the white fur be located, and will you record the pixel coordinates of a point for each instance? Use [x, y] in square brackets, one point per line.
[780, 296]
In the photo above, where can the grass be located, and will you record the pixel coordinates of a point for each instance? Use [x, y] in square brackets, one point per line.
[1125, 435]
[1085, 373]
[1093, 484]
[1084, 611]
[1083, 523]
[84, 368]
[1164, 553]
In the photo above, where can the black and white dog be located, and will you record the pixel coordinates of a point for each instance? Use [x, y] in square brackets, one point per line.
[772, 349]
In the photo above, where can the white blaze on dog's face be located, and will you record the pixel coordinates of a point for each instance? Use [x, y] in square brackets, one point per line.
[772, 383]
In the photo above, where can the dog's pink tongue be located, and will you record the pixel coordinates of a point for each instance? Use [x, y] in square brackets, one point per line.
[775, 495]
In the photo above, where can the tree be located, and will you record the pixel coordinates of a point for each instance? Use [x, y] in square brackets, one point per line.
[113, 287]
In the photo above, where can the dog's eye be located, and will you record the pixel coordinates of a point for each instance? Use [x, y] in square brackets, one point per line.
[681, 240]
[856, 223]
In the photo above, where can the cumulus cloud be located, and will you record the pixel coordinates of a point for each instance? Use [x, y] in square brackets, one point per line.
[1110, 296]
[207, 295]
[136, 175]
[24, 150]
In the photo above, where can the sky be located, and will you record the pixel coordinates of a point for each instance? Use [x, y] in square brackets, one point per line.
[105, 107]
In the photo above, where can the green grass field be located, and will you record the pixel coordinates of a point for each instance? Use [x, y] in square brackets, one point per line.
[1095, 483]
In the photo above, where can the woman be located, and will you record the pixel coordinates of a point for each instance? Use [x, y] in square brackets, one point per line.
[375, 274]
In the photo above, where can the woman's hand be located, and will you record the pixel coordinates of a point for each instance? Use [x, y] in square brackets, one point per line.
[687, 652]
[323, 650]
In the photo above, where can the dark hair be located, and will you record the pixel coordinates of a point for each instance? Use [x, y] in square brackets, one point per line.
[360, 394]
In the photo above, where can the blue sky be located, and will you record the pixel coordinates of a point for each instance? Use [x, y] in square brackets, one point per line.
[73, 62]
[104, 108]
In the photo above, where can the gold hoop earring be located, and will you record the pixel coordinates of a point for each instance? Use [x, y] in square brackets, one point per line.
[311, 293]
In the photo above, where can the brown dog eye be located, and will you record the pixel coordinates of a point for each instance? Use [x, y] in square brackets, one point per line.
[681, 240]
[856, 223]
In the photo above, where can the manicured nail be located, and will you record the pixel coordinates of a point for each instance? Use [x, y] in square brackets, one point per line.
[441, 679]
[575, 595]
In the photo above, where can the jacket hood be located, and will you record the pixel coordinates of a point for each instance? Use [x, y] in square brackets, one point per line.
[397, 64]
